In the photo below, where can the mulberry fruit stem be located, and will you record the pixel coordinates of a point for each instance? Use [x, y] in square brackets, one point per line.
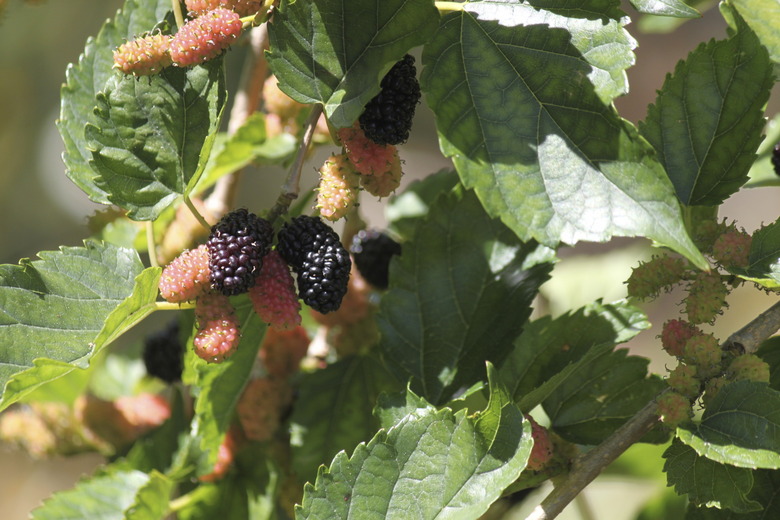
[200, 218]
[177, 14]
[445, 7]
[292, 185]
[150, 244]
[167, 306]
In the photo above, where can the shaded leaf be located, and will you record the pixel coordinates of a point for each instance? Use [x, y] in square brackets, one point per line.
[706, 122]
[88, 77]
[432, 464]
[707, 482]
[348, 389]
[766, 484]
[405, 209]
[600, 396]
[741, 427]
[549, 351]
[522, 136]
[150, 137]
[336, 52]
[764, 258]
[770, 352]
[56, 312]
[438, 321]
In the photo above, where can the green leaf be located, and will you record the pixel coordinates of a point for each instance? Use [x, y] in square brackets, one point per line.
[440, 320]
[249, 144]
[404, 210]
[764, 258]
[56, 312]
[770, 352]
[706, 122]
[110, 495]
[522, 136]
[336, 52]
[674, 8]
[432, 464]
[766, 484]
[600, 396]
[392, 408]
[762, 173]
[151, 136]
[348, 389]
[88, 77]
[763, 18]
[707, 482]
[550, 351]
[740, 427]
[220, 384]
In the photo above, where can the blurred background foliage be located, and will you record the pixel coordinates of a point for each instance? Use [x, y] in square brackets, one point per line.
[40, 209]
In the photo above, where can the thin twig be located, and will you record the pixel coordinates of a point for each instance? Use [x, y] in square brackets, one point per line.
[150, 245]
[195, 213]
[220, 201]
[177, 14]
[590, 465]
[293, 183]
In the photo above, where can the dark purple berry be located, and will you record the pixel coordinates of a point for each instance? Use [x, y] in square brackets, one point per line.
[776, 158]
[321, 263]
[164, 353]
[387, 118]
[372, 251]
[236, 248]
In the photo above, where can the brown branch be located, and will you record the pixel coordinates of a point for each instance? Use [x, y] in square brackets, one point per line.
[220, 201]
[590, 465]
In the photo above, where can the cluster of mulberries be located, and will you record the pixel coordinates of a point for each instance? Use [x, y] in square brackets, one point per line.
[660, 273]
[387, 118]
[215, 25]
[321, 263]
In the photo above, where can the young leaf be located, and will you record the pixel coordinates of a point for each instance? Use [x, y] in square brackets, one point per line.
[112, 494]
[336, 52]
[706, 122]
[439, 321]
[348, 390]
[56, 312]
[432, 464]
[149, 138]
[249, 144]
[88, 77]
[600, 396]
[220, 384]
[549, 350]
[707, 482]
[523, 135]
[764, 258]
[740, 427]
[674, 8]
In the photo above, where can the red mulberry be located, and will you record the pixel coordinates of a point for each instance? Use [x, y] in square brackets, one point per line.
[273, 295]
[367, 157]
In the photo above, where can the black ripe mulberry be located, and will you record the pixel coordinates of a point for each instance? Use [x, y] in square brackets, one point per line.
[236, 246]
[164, 353]
[372, 251]
[315, 253]
[776, 158]
[387, 118]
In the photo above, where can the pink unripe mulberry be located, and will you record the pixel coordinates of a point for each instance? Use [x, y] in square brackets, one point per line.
[242, 7]
[706, 297]
[205, 37]
[675, 335]
[143, 56]
[187, 277]
[261, 405]
[218, 328]
[749, 367]
[705, 353]
[674, 409]
[649, 278]
[684, 381]
[283, 350]
[367, 157]
[542, 451]
[382, 184]
[339, 186]
[273, 296]
[732, 248]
